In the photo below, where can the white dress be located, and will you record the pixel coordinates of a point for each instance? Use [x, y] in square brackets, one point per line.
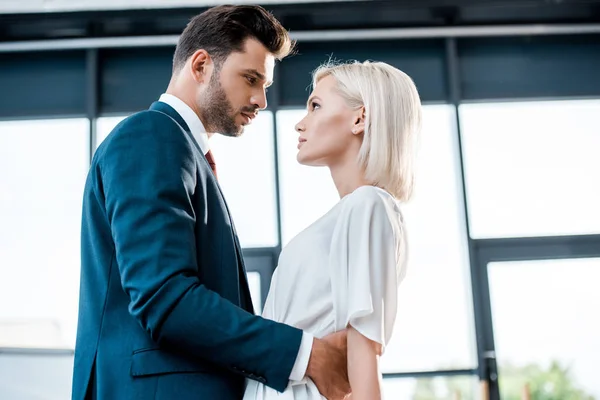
[342, 270]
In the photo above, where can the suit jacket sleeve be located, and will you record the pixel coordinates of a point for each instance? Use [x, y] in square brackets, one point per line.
[148, 175]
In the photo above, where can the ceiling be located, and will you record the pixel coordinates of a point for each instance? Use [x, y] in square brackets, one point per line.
[32, 19]
[37, 6]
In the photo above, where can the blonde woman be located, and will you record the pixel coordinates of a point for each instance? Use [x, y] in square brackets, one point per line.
[343, 271]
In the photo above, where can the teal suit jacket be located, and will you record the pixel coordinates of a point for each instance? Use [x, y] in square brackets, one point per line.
[165, 310]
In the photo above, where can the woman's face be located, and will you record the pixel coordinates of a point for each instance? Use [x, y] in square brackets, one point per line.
[326, 132]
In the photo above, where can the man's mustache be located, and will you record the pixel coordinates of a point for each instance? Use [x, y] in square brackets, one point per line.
[250, 110]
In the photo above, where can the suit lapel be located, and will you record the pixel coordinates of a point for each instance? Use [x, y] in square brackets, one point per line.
[245, 295]
[246, 299]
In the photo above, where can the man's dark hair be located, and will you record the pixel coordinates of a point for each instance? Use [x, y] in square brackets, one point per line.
[223, 30]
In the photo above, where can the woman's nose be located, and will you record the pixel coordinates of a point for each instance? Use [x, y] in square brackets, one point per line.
[299, 127]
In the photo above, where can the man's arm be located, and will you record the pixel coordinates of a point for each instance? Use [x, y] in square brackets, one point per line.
[328, 366]
[148, 175]
[325, 362]
[301, 365]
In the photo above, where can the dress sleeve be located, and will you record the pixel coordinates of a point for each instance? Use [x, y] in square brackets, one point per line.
[365, 264]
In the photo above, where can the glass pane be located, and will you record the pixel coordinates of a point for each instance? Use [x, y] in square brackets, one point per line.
[255, 292]
[247, 177]
[31, 376]
[43, 166]
[546, 327]
[434, 328]
[532, 168]
[434, 388]
[246, 168]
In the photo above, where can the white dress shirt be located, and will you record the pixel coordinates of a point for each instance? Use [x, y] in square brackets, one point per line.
[191, 119]
[197, 129]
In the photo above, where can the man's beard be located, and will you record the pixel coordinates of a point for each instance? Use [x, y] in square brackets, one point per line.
[218, 112]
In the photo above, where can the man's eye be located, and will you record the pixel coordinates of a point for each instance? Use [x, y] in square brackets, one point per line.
[251, 79]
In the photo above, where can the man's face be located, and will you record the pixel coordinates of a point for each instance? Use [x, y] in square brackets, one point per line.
[237, 90]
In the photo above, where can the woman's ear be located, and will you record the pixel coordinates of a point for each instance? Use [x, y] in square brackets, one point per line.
[358, 123]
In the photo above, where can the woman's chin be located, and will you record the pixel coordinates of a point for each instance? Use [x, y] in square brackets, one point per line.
[303, 159]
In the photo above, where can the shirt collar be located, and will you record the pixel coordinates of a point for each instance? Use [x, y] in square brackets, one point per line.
[190, 118]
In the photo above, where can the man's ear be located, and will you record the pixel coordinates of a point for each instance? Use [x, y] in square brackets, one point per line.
[201, 65]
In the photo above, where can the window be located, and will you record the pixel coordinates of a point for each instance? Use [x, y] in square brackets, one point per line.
[246, 167]
[29, 375]
[532, 168]
[43, 166]
[434, 328]
[431, 388]
[254, 282]
[546, 330]
[246, 175]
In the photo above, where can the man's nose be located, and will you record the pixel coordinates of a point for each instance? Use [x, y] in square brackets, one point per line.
[259, 100]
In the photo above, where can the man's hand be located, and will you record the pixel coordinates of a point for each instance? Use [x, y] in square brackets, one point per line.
[328, 366]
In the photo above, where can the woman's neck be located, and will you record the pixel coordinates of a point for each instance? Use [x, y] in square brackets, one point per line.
[347, 177]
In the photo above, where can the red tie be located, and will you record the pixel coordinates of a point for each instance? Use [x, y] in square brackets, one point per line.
[211, 162]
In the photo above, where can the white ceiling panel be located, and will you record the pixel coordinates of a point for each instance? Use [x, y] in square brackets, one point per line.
[34, 6]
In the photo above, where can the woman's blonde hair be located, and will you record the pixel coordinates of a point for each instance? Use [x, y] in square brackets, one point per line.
[392, 123]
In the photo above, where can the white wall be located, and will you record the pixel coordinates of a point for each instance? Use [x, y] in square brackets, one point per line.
[35, 375]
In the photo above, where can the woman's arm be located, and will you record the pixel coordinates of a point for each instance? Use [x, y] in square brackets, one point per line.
[363, 367]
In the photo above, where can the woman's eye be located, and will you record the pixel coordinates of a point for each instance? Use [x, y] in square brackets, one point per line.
[314, 105]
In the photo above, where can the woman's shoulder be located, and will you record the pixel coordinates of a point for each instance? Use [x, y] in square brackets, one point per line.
[370, 196]
[374, 204]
